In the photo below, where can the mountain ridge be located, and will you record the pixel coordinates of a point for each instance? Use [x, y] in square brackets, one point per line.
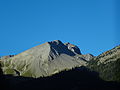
[53, 57]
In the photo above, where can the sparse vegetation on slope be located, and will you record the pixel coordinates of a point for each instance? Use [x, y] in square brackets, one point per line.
[107, 64]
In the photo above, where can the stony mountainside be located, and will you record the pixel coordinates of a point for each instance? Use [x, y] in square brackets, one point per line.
[60, 66]
[53, 57]
[44, 60]
[107, 64]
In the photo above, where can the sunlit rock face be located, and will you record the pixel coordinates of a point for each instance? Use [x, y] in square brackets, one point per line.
[43, 60]
[73, 48]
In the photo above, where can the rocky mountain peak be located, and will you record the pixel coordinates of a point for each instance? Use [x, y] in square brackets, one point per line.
[53, 57]
[60, 48]
[43, 60]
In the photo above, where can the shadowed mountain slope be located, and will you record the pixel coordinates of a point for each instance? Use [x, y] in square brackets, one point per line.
[76, 79]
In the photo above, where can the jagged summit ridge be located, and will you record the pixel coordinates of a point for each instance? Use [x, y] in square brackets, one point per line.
[60, 48]
[67, 48]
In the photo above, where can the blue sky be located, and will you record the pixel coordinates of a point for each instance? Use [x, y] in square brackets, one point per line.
[92, 25]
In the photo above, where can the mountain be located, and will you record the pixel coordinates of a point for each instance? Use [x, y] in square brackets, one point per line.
[107, 64]
[60, 66]
[44, 60]
[53, 57]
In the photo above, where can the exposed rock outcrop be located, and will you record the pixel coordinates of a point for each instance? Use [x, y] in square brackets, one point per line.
[73, 48]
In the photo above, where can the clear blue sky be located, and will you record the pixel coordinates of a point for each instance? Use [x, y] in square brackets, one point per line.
[93, 25]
